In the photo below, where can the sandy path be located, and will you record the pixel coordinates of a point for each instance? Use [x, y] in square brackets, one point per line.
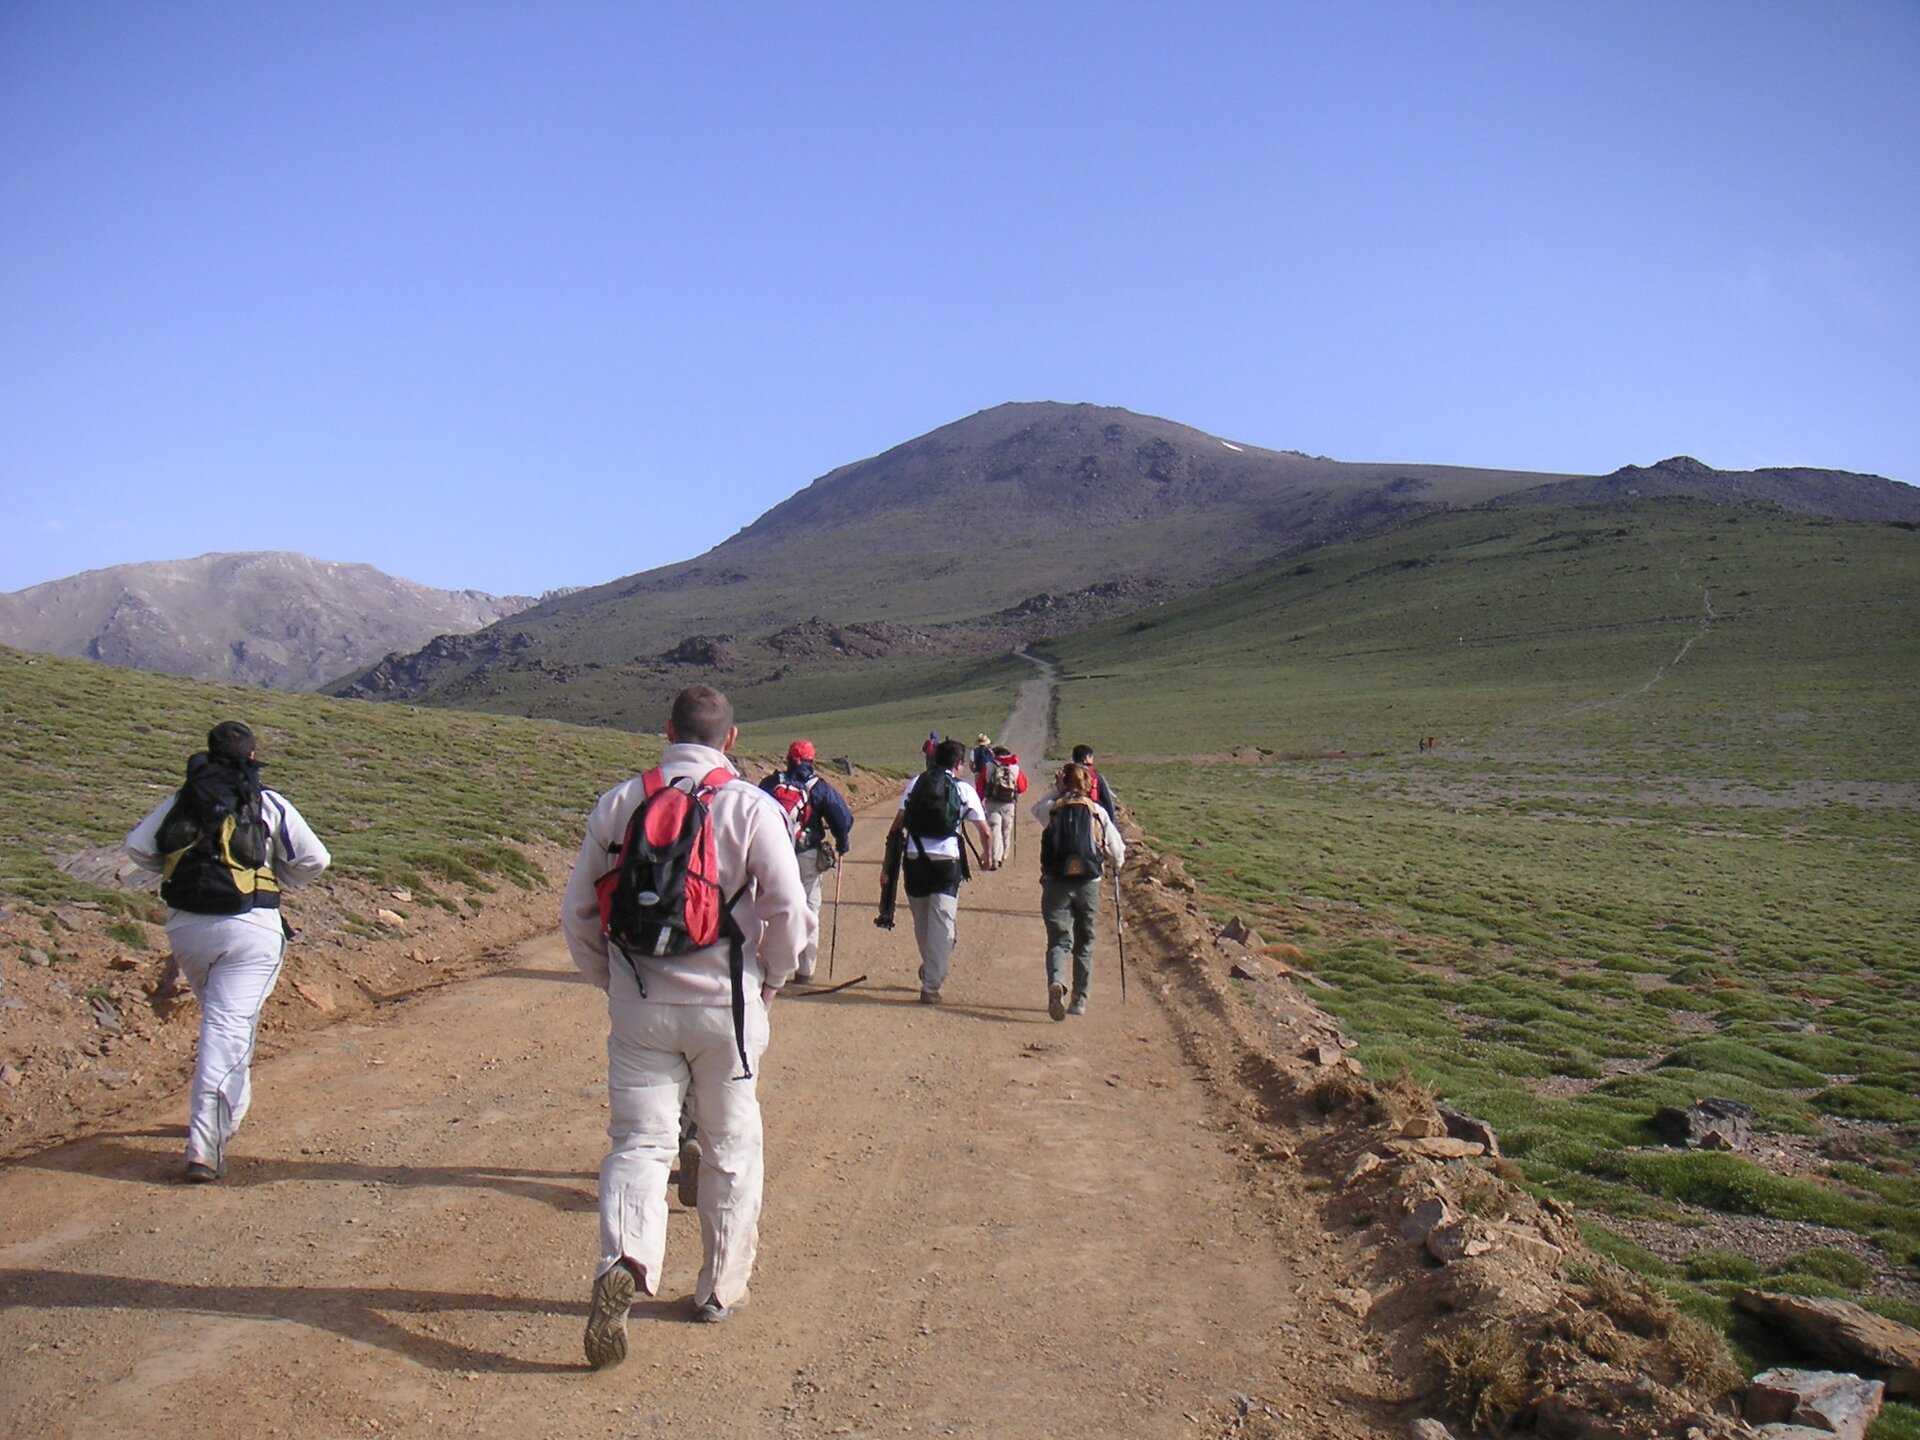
[979, 1222]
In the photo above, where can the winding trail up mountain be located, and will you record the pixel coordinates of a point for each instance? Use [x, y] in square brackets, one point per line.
[979, 1222]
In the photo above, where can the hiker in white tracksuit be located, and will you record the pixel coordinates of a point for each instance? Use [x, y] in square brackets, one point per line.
[671, 1031]
[231, 961]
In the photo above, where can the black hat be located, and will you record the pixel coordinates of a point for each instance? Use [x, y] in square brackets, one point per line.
[230, 740]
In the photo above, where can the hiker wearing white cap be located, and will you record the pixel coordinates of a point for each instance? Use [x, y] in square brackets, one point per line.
[225, 847]
[813, 809]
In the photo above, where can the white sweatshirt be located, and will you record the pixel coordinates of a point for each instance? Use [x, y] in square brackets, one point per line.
[294, 854]
[750, 842]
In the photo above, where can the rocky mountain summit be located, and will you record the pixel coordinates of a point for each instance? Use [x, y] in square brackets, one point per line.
[269, 618]
[1014, 524]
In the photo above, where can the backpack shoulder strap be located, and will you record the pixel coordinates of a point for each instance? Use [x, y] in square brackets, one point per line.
[737, 977]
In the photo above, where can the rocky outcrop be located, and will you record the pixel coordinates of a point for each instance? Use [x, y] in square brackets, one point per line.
[1711, 1124]
[1846, 1334]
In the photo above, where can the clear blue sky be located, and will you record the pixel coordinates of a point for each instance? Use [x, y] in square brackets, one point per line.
[515, 296]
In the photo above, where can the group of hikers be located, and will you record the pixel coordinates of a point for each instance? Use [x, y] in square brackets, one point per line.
[694, 899]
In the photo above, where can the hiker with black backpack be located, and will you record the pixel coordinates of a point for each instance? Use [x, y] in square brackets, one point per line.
[813, 808]
[225, 847]
[934, 808]
[1001, 782]
[686, 907]
[1076, 840]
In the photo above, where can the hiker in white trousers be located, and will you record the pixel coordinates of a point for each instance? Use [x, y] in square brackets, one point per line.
[672, 1029]
[224, 922]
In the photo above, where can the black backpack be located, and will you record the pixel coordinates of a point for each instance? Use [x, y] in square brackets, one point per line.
[214, 844]
[933, 807]
[1070, 845]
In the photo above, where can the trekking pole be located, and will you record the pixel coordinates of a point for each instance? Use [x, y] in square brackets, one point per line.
[839, 869]
[1120, 936]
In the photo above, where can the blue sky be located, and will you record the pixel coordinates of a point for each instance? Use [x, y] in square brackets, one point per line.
[515, 296]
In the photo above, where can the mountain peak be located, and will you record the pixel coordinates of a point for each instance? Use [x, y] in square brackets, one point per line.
[1684, 465]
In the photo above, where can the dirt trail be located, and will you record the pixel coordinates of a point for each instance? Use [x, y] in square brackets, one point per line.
[979, 1222]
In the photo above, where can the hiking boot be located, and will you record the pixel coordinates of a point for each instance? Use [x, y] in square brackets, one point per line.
[929, 997]
[711, 1312]
[689, 1172]
[198, 1172]
[1079, 1005]
[607, 1319]
[1057, 1000]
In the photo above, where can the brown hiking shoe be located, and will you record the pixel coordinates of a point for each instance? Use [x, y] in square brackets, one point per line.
[607, 1318]
[1057, 1000]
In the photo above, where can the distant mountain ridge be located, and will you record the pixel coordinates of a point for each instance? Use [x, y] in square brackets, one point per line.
[1001, 526]
[1014, 523]
[1800, 490]
[276, 619]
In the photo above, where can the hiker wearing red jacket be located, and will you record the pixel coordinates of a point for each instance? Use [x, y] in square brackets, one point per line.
[1001, 782]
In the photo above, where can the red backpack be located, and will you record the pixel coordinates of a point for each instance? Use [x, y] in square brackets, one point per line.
[662, 896]
[796, 800]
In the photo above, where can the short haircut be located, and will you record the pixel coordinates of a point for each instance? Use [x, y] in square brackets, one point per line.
[230, 740]
[1075, 780]
[702, 715]
[950, 754]
[1082, 754]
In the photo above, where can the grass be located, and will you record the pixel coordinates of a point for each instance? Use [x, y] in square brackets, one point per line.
[1664, 848]
[402, 796]
[882, 723]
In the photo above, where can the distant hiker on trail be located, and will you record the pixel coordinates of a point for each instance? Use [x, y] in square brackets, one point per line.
[982, 753]
[1076, 840]
[1001, 782]
[685, 905]
[813, 807]
[1101, 791]
[225, 848]
[933, 808]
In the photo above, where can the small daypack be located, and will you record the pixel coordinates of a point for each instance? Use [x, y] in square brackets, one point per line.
[1003, 780]
[1070, 845]
[796, 802]
[933, 808]
[662, 896]
[214, 844]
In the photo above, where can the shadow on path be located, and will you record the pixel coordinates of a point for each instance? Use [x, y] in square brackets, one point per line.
[358, 1314]
[109, 1158]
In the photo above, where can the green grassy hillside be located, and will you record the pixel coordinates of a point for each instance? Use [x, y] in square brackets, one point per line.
[1664, 848]
[401, 795]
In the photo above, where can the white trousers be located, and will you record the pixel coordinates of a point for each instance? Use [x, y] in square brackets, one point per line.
[232, 965]
[810, 877]
[936, 923]
[1000, 823]
[655, 1054]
